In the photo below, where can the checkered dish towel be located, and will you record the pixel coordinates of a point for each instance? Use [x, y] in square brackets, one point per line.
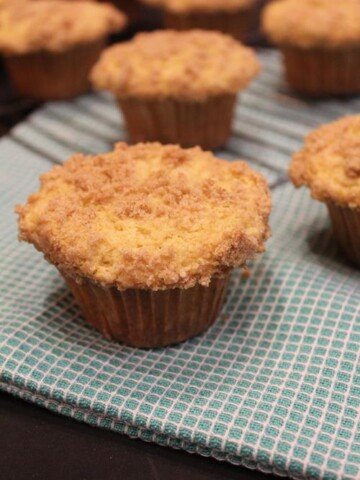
[273, 385]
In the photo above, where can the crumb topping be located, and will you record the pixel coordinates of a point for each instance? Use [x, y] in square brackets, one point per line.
[190, 65]
[148, 216]
[27, 27]
[186, 6]
[329, 164]
[313, 23]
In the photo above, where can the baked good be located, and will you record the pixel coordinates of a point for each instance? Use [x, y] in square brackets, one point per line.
[177, 87]
[239, 18]
[50, 46]
[329, 165]
[320, 41]
[146, 236]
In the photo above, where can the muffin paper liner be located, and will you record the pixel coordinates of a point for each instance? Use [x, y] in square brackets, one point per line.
[242, 25]
[346, 227]
[323, 72]
[146, 318]
[53, 76]
[207, 124]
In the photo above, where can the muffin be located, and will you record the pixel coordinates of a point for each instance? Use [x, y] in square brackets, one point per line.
[50, 46]
[147, 235]
[239, 18]
[329, 165]
[320, 42]
[177, 87]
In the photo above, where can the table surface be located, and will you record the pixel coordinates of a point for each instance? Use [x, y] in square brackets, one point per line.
[37, 444]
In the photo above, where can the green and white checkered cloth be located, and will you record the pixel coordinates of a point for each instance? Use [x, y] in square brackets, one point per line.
[273, 385]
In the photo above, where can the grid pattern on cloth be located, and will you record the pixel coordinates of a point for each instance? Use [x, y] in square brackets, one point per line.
[273, 385]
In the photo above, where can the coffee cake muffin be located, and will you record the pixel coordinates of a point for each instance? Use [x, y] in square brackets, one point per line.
[239, 18]
[329, 165]
[147, 235]
[320, 41]
[177, 87]
[50, 46]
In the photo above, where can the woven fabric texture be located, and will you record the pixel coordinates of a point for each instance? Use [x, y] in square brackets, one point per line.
[273, 385]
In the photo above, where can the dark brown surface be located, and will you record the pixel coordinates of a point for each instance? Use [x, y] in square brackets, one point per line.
[12, 108]
[37, 444]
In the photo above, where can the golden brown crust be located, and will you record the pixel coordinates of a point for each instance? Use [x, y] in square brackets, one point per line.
[329, 164]
[206, 6]
[313, 23]
[185, 65]
[55, 26]
[148, 216]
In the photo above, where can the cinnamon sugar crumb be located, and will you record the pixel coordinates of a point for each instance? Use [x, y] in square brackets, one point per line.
[27, 26]
[329, 163]
[148, 216]
[194, 64]
[313, 23]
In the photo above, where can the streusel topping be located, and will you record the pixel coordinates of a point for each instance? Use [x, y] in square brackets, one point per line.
[329, 164]
[189, 65]
[27, 27]
[148, 216]
[313, 23]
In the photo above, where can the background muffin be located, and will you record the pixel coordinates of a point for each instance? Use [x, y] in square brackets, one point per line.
[177, 87]
[146, 236]
[239, 18]
[50, 46]
[320, 41]
[329, 165]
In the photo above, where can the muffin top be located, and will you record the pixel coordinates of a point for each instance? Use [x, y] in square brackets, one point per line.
[329, 164]
[148, 216]
[189, 65]
[186, 6]
[313, 23]
[27, 27]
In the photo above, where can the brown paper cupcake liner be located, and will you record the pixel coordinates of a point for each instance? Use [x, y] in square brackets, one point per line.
[207, 124]
[346, 227]
[147, 319]
[323, 72]
[242, 25]
[54, 76]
